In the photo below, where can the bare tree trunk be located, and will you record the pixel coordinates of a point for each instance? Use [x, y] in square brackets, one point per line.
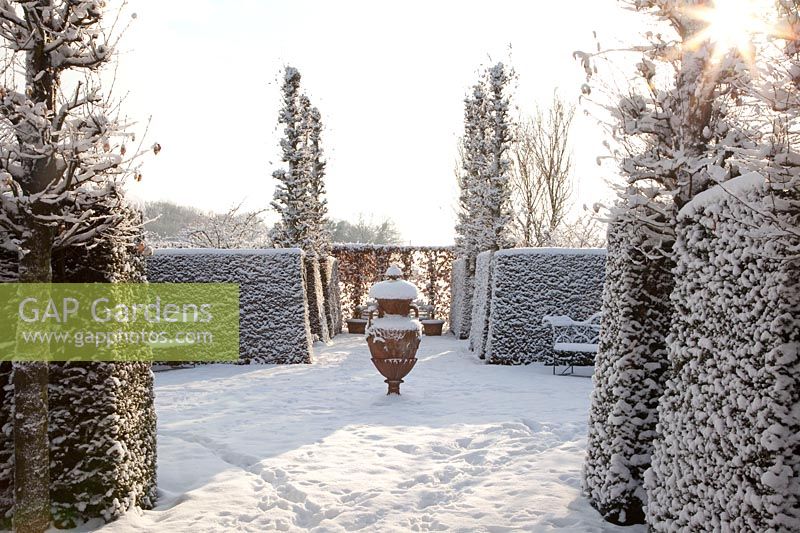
[31, 443]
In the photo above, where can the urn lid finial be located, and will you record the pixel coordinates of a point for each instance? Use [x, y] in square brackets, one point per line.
[394, 288]
[394, 272]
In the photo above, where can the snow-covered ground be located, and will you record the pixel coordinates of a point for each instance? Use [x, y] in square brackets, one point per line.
[467, 447]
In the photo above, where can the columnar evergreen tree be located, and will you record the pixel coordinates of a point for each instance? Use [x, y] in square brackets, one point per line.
[61, 155]
[319, 204]
[484, 180]
[292, 198]
[469, 232]
[300, 195]
[496, 187]
[322, 236]
[471, 174]
[675, 141]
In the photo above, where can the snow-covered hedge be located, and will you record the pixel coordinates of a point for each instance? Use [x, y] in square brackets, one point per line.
[102, 415]
[362, 265]
[529, 283]
[274, 318]
[629, 372]
[102, 422]
[727, 456]
[481, 304]
[103, 425]
[462, 285]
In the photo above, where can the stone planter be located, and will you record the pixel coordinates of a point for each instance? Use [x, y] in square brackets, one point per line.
[356, 325]
[432, 328]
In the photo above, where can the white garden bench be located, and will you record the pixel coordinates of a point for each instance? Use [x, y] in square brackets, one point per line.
[573, 337]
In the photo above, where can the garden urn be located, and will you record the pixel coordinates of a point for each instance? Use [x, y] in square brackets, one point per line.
[393, 337]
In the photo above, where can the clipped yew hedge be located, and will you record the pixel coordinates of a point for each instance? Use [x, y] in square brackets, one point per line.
[727, 453]
[102, 420]
[274, 322]
[529, 283]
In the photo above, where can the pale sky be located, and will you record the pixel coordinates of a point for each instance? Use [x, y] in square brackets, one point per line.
[388, 77]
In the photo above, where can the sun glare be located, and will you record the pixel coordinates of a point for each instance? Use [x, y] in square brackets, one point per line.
[730, 26]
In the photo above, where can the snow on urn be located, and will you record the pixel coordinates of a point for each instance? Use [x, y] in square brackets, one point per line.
[393, 337]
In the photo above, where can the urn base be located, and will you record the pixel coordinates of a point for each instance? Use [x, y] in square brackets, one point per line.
[394, 370]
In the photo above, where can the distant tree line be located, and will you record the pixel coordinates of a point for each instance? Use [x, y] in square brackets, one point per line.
[171, 224]
[365, 231]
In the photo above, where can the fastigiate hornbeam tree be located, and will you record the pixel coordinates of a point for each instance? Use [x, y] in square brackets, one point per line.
[485, 174]
[496, 187]
[62, 155]
[484, 179]
[300, 194]
[299, 197]
[316, 176]
[473, 162]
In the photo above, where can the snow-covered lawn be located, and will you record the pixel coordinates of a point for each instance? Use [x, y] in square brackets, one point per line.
[467, 447]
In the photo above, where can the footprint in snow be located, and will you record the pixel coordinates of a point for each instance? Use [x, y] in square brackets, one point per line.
[465, 442]
[419, 480]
